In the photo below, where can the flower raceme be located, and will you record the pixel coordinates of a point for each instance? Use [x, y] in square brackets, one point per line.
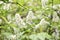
[19, 21]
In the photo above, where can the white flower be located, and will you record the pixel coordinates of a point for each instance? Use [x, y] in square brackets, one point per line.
[9, 17]
[10, 0]
[42, 23]
[56, 6]
[1, 2]
[30, 3]
[55, 17]
[6, 6]
[56, 33]
[59, 5]
[13, 37]
[44, 3]
[29, 17]
[19, 21]
[37, 26]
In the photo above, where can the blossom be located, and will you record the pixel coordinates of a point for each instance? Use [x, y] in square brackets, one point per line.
[55, 17]
[6, 6]
[12, 37]
[30, 17]
[1, 2]
[42, 23]
[9, 17]
[11, 0]
[19, 21]
[56, 6]
[30, 3]
[44, 3]
[56, 33]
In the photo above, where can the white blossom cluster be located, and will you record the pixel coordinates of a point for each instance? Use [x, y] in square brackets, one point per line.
[6, 6]
[42, 23]
[56, 33]
[55, 17]
[56, 6]
[19, 21]
[29, 17]
[43, 2]
[10, 0]
[1, 2]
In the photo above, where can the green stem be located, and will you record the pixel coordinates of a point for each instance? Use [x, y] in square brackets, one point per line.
[4, 19]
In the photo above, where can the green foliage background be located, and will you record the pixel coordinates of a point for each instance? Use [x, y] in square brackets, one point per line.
[30, 33]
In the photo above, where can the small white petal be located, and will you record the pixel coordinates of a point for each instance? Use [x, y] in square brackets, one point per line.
[44, 3]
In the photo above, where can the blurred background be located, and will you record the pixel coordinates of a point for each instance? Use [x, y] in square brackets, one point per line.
[29, 19]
